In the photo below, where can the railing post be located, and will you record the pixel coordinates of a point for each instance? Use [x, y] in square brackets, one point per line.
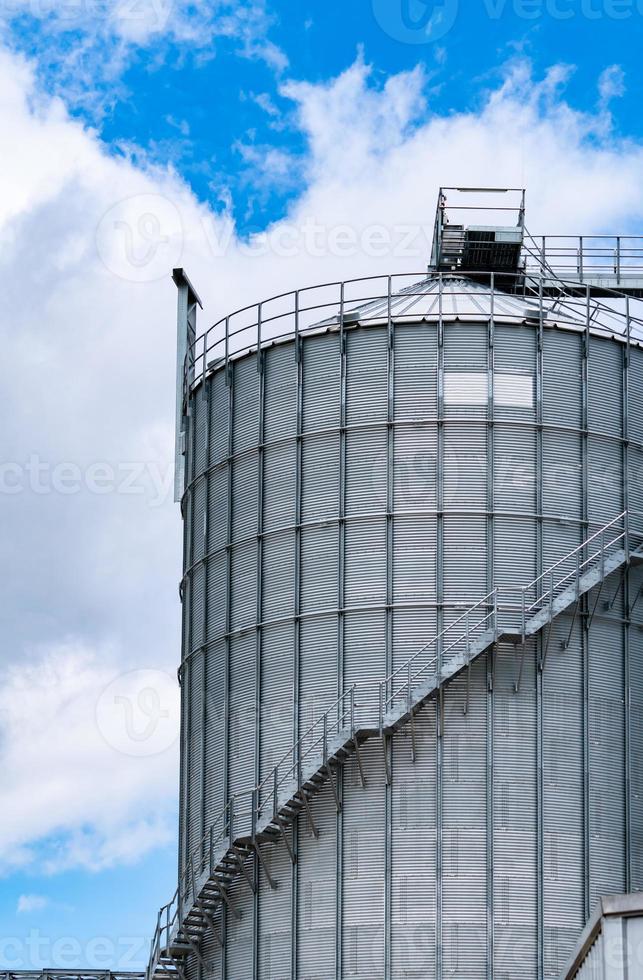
[523, 613]
[255, 812]
[496, 631]
[618, 261]
[578, 574]
[603, 553]
[325, 740]
[352, 710]
[381, 709]
[467, 645]
[551, 595]
[408, 687]
[275, 788]
[231, 820]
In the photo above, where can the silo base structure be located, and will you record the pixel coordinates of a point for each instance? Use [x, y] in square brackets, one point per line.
[412, 671]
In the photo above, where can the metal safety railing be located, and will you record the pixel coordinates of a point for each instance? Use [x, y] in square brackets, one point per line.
[503, 610]
[572, 567]
[372, 299]
[618, 258]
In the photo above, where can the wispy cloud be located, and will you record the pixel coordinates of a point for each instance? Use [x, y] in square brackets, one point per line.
[31, 903]
[83, 49]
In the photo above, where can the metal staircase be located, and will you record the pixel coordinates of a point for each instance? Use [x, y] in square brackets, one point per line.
[263, 815]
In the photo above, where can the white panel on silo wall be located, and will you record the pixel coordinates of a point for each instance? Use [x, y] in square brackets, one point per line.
[464, 819]
[563, 831]
[317, 892]
[413, 873]
[515, 846]
[363, 863]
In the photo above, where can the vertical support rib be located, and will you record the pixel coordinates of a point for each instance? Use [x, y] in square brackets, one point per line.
[299, 462]
[390, 502]
[540, 897]
[259, 605]
[439, 564]
[626, 605]
[585, 617]
[339, 911]
[491, 584]
[229, 379]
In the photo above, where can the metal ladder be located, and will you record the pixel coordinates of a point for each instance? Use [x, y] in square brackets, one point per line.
[263, 815]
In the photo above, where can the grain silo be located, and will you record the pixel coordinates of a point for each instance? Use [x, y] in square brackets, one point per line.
[412, 670]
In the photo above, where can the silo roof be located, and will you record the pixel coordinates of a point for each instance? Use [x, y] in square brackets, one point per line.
[460, 298]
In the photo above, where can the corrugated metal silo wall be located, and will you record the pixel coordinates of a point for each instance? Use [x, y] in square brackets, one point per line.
[347, 496]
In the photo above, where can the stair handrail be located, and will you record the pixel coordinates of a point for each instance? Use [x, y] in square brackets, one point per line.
[294, 754]
[574, 553]
[390, 693]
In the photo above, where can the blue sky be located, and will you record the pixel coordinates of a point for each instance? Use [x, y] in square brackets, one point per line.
[209, 107]
[218, 121]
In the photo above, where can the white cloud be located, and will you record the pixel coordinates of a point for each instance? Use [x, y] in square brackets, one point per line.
[87, 331]
[31, 903]
[84, 47]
